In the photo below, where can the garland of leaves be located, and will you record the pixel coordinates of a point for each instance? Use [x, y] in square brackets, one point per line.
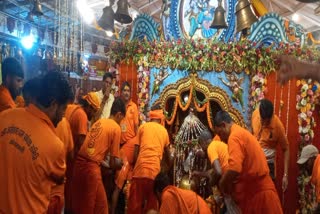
[208, 55]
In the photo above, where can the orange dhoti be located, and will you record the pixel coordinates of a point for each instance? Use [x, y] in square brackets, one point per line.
[142, 197]
[88, 194]
[260, 196]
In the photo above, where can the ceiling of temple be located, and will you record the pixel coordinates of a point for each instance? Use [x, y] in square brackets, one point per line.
[306, 14]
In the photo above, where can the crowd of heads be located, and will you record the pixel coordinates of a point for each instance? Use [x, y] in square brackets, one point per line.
[52, 92]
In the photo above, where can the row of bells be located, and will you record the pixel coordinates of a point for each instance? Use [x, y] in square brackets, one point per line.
[106, 21]
[244, 14]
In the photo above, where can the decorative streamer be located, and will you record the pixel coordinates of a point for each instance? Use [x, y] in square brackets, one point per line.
[288, 107]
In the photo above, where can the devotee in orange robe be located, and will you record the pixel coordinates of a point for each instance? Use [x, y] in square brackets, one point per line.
[129, 128]
[269, 131]
[310, 160]
[78, 116]
[32, 157]
[88, 193]
[30, 92]
[153, 140]
[217, 152]
[12, 81]
[176, 200]
[291, 67]
[247, 178]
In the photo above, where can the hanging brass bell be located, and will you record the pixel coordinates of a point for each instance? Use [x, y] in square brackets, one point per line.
[245, 16]
[37, 8]
[106, 21]
[122, 14]
[219, 20]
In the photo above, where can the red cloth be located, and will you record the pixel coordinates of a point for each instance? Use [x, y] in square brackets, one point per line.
[142, 197]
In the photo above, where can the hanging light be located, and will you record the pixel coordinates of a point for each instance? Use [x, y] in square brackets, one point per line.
[219, 20]
[122, 14]
[245, 16]
[37, 8]
[106, 21]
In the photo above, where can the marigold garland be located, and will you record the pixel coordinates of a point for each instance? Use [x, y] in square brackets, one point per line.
[185, 106]
[209, 119]
[170, 119]
[197, 106]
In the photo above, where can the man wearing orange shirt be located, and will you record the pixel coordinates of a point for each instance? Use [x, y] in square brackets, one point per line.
[30, 92]
[176, 200]
[129, 128]
[310, 160]
[247, 178]
[270, 133]
[12, 81]
[153, 141]
[78, 115]
[30, 167]
[217, 152]
[88, 193]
